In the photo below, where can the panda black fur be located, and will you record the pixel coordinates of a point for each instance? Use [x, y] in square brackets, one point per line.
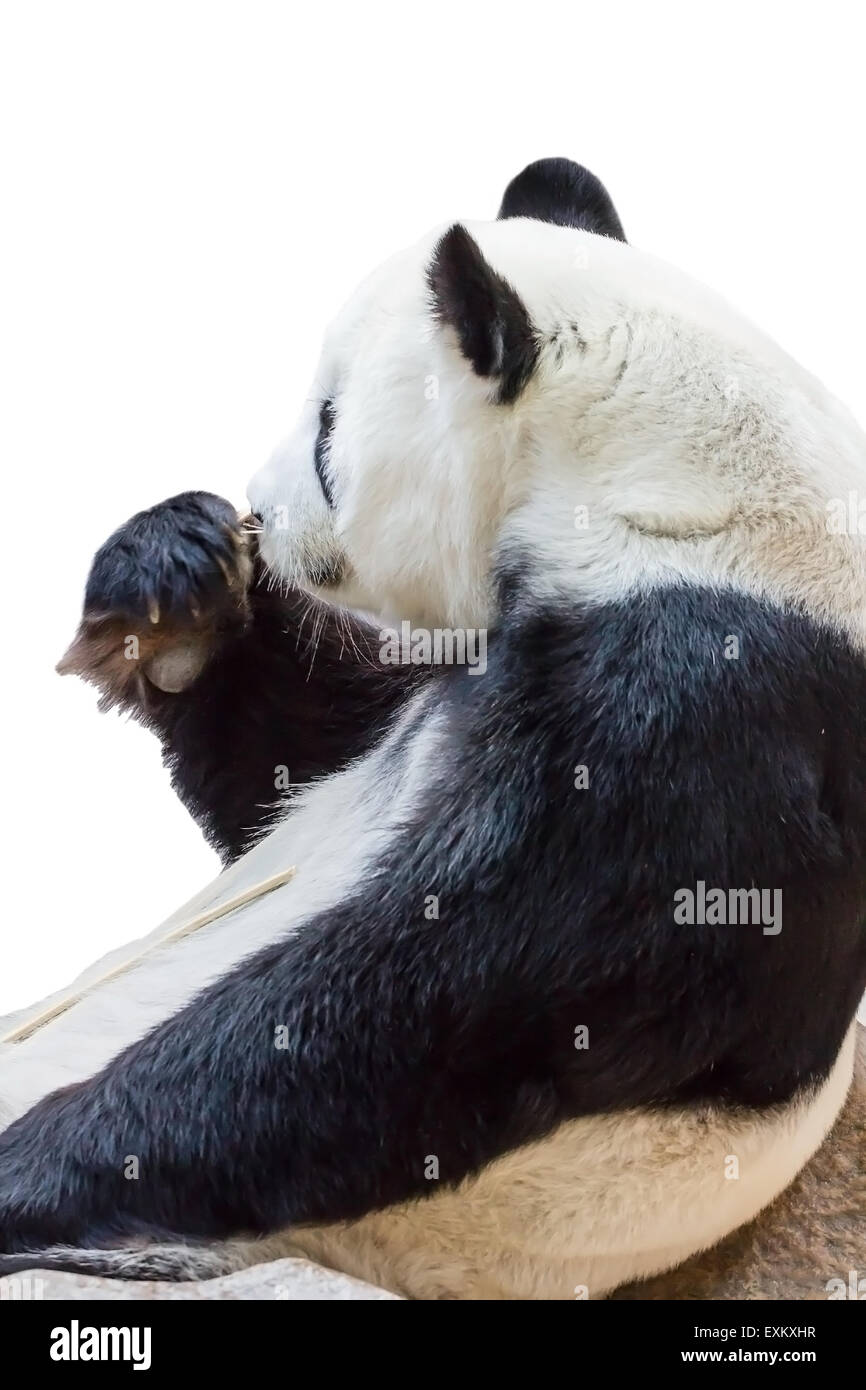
[615, 476]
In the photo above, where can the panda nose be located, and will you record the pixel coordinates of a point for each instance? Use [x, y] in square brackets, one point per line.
[260, 489]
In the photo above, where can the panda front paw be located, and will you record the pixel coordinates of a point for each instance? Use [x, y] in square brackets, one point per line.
[163, 591]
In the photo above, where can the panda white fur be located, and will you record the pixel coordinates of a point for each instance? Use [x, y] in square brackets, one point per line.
[531, 428]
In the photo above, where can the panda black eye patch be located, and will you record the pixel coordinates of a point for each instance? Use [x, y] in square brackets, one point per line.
[327, 418]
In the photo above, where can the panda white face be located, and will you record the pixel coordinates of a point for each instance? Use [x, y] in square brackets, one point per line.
[522, 389]
[391, 491]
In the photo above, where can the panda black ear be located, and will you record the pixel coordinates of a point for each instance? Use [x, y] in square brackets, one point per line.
[562, 192]
[489, 317]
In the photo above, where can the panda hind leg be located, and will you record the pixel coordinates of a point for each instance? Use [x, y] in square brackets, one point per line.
[170, 1262]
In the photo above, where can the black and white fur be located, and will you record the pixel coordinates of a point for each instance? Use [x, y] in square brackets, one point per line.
[477, 390]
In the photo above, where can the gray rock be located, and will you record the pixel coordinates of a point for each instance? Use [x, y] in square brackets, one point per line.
[281, 1280]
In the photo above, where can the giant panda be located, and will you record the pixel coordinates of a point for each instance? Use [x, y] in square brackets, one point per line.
[563, 989]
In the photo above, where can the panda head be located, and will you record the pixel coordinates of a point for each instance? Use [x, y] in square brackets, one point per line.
[533, 392]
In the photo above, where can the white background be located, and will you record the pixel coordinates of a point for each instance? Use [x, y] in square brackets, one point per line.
[189, 191]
